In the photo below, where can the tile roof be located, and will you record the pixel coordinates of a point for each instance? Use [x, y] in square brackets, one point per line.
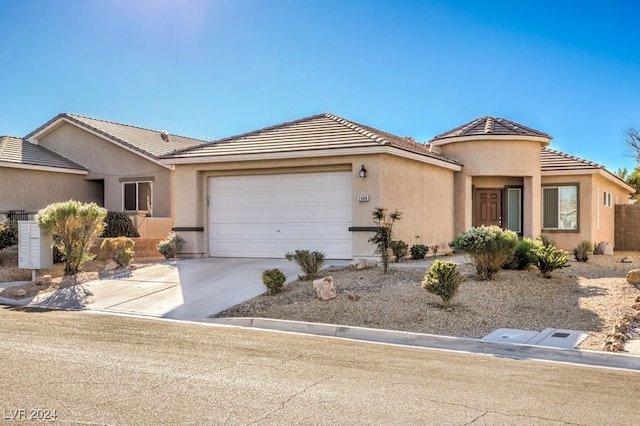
[490, 126]
[557, 161]
[552, 160]
[317, 132]
[19, 151]
[144, 141]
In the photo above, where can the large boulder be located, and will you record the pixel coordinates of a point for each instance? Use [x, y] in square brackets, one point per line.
[325, 290]
[604, 247]
[633, 276]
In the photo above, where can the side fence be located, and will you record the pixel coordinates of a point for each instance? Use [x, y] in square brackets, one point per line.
[627, 222]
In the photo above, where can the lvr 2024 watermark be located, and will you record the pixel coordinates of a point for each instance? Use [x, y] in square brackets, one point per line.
[29, 414]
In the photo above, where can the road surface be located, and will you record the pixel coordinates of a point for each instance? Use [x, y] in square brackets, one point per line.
[90, 368]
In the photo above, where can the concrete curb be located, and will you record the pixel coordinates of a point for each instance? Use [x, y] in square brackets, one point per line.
[432, 341]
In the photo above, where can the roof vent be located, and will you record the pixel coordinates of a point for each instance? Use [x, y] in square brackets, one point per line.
[164, 135]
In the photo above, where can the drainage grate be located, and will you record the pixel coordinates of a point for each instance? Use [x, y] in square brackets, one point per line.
[561, 335]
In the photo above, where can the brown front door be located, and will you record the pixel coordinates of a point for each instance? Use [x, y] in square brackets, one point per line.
[488, 207]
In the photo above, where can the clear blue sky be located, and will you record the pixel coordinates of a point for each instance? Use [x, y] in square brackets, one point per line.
[215, 68]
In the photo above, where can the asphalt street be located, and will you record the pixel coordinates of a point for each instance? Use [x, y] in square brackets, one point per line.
[91, 368]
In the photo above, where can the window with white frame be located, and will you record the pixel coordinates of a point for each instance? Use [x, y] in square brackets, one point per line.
[560, 207]
[136, 196]
[607, 199]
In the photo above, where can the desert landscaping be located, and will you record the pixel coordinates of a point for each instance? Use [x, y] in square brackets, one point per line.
[591, 296]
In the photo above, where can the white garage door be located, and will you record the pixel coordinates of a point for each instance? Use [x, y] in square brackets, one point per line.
[270, 215]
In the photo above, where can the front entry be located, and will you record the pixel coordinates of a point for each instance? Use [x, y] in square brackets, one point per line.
[488, 207]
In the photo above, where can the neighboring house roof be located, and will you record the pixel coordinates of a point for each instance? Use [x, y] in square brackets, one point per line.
[554, 162]
[18, 152]
[490, 126]
[319, 132]
[147, 142]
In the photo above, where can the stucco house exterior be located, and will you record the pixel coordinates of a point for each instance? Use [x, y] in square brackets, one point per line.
[115, 165]
[312, 184]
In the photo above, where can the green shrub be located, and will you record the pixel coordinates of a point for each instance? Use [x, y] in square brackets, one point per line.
[443, 279]
[171, 245]
[309, 261]
[523, 256]
[419, 251]
[75, 225]
[119, 249]
[118, 224]
[490, 247]
[273, 280]
[399, 249]
[549, 258]
[384, 233]
[8, 235]
[581, 252]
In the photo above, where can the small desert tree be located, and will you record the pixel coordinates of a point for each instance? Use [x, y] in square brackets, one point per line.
[384, 233]
[75, 225]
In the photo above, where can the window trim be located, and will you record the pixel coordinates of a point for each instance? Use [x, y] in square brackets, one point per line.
[137, 183]
[558, 186]
[607, 198]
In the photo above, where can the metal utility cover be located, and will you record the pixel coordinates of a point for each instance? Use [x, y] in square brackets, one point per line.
[558, 338]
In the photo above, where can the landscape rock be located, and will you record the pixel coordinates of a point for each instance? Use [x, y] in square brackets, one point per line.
[633, 276]
[627, 259]
[21, 292]
[605, 248]
[43, 280]
[359, 264]
[111, 266]
[613, 345]
[353, 296]
[325, 290]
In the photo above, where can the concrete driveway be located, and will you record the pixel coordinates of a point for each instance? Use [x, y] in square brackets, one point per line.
[188, 289]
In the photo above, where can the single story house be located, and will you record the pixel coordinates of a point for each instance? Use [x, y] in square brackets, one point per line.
[115, 165]
[313, 183]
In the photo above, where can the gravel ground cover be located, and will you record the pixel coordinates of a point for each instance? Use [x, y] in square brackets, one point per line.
[587, 296]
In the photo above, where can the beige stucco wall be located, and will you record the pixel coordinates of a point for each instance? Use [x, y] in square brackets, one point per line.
[424, 195]
[494, 164]
[33, 190]
[418, 190]
[105, 160]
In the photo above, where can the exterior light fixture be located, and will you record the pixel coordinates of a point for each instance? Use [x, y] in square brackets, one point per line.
[363, 172]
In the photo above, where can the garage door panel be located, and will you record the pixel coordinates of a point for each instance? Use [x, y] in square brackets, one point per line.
[243, 231]
[270, 215]
[324, 231]
[328, 214]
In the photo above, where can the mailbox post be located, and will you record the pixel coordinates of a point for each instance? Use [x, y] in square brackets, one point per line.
[35, 249]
